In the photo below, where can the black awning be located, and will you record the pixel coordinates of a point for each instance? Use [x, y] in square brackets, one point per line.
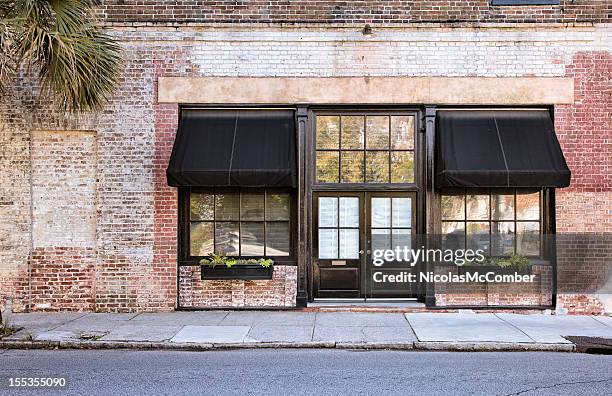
[220, 148]
[498, 148]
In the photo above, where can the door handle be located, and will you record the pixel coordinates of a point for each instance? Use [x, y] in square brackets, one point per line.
[361, 251]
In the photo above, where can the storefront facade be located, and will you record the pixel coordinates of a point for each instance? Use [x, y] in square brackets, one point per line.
[315, 144]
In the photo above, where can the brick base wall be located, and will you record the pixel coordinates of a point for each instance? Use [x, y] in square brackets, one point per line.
[280, 291]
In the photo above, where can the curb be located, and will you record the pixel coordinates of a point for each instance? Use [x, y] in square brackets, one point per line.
[418, 345]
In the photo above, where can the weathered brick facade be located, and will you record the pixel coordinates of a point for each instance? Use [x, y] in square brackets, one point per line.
[88, 221]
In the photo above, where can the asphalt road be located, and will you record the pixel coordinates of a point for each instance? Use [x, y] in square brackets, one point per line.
[317, 372]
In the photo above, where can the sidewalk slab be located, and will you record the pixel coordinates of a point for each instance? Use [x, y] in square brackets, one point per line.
[183, 318]
[360, 319]
[96, 322]
[141, 332]
[256, 318]
[211, 334]
[552, 328]
[275, 333]
[607, 320]
[462, 327]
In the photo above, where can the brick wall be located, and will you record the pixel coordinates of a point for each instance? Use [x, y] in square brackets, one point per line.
[127, 261]
[343, 12]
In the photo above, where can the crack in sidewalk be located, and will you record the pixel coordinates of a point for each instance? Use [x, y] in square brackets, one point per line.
[559, 384]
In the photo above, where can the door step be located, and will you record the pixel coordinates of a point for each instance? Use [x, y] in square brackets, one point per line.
[362, 306]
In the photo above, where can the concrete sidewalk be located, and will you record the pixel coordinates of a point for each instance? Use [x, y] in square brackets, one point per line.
[223, 329]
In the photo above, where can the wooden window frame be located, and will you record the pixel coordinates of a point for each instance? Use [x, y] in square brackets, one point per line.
[183, 229]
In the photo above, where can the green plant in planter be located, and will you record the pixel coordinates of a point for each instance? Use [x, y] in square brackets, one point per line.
[216, 259]
[515, 261]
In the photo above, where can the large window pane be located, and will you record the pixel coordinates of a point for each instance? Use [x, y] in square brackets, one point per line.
[377, 132]
[252, 207]
[453, 235]
[377, 167]
[227, 206]
[502, 206]
[349, 244]
[328, 243]
[349, 212]
[402, 167]
[478, 207]
[277, 239]
[478, 236]
[352, 132]
[201, 206]
[381, 239]
[227, 238]
[502, 238]
[352, 167]
[201, 235]
[278, 206]
[328, 132]
[528, 238]
[402, 132]
[402, 212]
[527, 205]
[327, 166]
[453, 207]
[252, 239]
[328, 212]
[381, 212]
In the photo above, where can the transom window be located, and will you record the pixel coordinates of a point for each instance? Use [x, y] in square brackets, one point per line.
[501, 222]
[248, 223]
[361, 148]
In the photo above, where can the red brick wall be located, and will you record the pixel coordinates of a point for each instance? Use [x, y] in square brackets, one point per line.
[584, 210]
[318, 11]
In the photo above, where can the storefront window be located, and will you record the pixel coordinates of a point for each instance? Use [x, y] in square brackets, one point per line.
[365, 148]
[246, 223]
[501, 222]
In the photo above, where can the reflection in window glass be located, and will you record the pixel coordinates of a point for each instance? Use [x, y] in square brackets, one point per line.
[377, 167]
[502, 238]
[402, 167]
[201, 206]
[328, 132]
[528, 206]
[402, 136]
[377, 132]
[227, 206]
[453, 235]
[202, 235]
[328, 243]
[352, 167]
[252, 207]
[502, 206]
[327, 166]
[227, 238]
[252, 239]
[277, 206]
[277, 239]
[528, 238]
[349, 243]
[477, 235]
[477, 207]
[353, 135]
[453, 207]
[401, 238]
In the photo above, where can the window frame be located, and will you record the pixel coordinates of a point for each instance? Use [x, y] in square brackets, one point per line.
[356, 111]
[546, 215]
[183, 228]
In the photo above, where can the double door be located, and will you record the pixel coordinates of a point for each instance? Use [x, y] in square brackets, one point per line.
[355, 231]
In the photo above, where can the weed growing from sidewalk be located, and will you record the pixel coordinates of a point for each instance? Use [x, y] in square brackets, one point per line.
[6, 329]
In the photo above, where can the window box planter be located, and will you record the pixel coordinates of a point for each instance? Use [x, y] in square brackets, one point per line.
[237, 272]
